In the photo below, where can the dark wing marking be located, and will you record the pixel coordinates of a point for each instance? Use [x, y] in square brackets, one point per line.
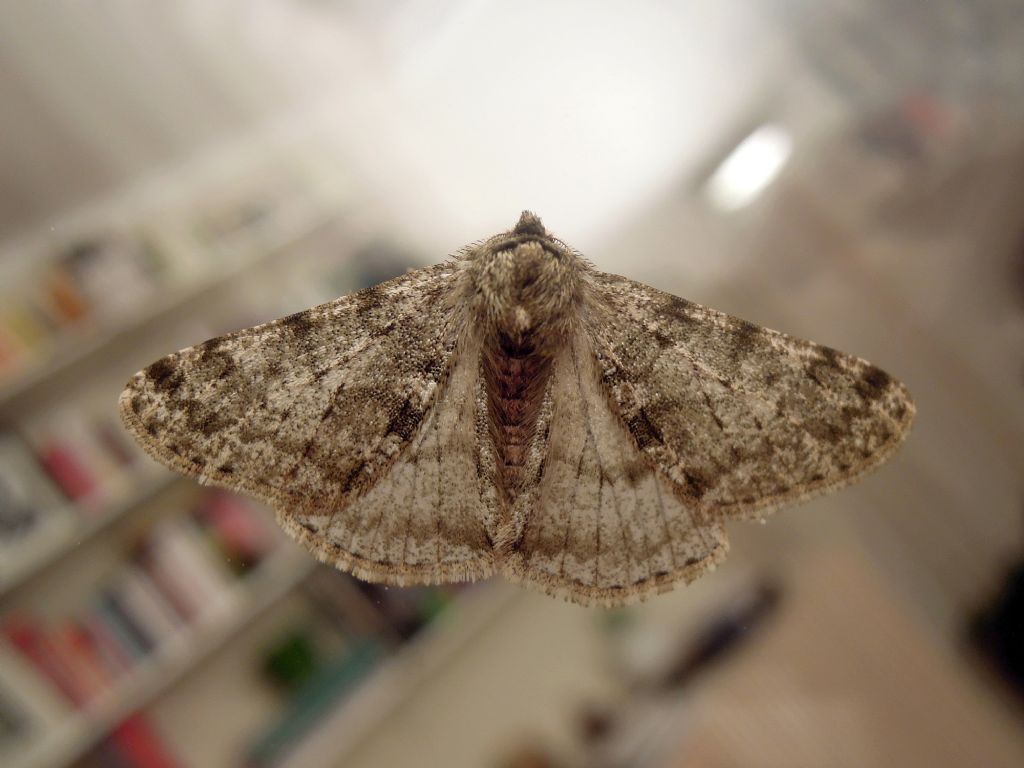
[740, 419]
[603, 527]
[311, 412]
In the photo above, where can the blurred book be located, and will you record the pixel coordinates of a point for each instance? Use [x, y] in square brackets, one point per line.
[32, 514]
[112, 273]
[191, 583]
[28, 706]
[181, 572]
[86, 454]
[241, 536]
[110, 648]
[25, 331]
[150, 612]
[135, 743]
[71, 449]
[68, 287]
[37, 644]
[119, 625]
[74, 644]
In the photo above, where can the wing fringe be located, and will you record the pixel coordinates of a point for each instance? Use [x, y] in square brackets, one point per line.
[329, 554]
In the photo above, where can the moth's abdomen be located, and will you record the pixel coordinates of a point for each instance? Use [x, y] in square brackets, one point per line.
[516, 376]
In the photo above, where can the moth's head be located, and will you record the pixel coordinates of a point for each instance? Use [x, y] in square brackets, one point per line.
[524, 281]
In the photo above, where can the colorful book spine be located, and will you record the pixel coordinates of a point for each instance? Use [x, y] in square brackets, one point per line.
[34, 643]
[181, 564]
[107, 623]
[63, 465]
[116, 656]
[239, 533]
[139, 744]
[117, 616]
[75, 646]
[148, 606]
[177, 587]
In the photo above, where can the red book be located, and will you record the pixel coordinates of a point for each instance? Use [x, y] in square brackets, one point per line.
[136, 740]
[87, 658]
[69, 473]
[237, 526]
[31, 639]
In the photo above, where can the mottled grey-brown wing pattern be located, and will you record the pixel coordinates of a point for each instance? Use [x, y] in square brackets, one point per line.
[311, 411]
[512, 410]
[423, 520]
[603, 525]
[741, 419]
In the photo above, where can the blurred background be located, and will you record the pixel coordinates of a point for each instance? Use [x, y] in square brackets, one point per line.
[850, 171]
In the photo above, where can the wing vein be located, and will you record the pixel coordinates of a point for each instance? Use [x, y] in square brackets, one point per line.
[572, 507]
[437, 507]
[600, 464]
[408, 518]
[664, 520]
[643, 533]
[380, 519]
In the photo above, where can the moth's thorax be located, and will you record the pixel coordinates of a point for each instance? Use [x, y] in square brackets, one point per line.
[525, 286]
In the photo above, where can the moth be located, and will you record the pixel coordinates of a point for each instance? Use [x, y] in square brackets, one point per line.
[513, 410]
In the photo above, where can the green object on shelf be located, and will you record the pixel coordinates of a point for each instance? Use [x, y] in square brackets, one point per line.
[314, 700]
[292, 661]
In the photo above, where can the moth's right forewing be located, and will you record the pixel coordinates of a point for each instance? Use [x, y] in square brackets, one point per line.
[740, 419]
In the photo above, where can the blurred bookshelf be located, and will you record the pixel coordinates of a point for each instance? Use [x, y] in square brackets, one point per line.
[174, 658]
[21, 566]
[123, 586]
[78, 344]
[397, 678]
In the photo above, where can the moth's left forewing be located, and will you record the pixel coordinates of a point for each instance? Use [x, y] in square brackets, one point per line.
[306, 403]
[739, 418]
[342, 418]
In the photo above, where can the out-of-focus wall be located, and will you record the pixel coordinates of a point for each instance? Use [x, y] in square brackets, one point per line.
[96, 94]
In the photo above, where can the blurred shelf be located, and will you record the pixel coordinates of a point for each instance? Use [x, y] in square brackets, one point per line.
[76, 533]
[170, 662]
[234, 258]
[397, 679]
